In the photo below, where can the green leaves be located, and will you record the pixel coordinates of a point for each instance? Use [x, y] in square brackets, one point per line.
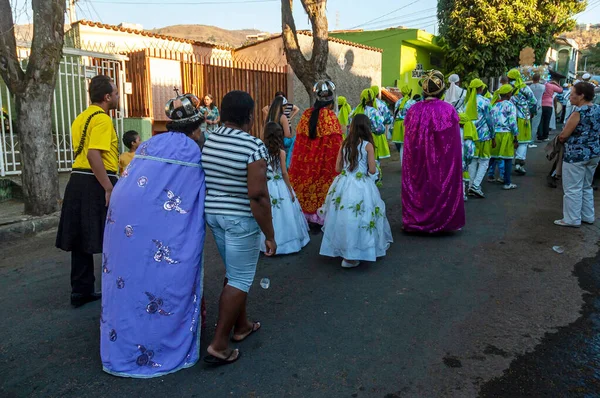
[483, 38]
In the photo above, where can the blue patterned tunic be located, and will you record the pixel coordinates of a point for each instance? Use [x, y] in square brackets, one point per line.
[584, 143]
[484, 123]
[376, 119]
[524, 100]
[504, 115]
[401, 113]
[382, 107]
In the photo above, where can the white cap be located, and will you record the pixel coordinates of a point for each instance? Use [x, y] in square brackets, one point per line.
[586, 76]
[454, 78]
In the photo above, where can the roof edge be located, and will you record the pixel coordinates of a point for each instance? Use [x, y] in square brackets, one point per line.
[147, 33]
[308, 33]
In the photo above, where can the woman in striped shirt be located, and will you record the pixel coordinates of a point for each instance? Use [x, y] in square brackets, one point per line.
[237, 209]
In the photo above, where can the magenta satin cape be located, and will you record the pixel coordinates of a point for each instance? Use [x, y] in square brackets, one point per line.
[432, 193]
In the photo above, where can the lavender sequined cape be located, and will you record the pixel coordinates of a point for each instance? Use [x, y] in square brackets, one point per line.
[432, 192]
[152, 261]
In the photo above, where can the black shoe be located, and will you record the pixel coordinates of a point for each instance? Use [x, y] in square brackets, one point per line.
[78, 299]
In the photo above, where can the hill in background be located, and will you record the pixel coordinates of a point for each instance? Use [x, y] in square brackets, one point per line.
[210, 34]
[585, 38]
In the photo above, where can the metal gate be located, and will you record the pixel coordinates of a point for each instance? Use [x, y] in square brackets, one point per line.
[71, 98]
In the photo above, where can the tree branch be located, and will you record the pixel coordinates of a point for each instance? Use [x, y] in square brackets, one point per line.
[48, 39]
[317, 14]
[290, 39]
[10, 68]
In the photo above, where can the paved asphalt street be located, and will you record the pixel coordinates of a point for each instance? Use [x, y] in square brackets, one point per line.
[437, 317]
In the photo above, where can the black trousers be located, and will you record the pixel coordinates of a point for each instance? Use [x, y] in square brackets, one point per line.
[82, 273]
[546, 118]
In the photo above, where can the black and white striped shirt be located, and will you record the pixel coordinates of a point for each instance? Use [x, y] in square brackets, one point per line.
[225, 158]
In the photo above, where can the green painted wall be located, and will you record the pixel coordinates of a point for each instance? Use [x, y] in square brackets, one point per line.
[399, 57]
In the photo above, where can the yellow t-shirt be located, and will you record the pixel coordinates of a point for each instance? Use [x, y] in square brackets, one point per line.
[101, 135]
[124, 160]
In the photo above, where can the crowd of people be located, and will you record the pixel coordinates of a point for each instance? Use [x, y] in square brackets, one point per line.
[264, 193]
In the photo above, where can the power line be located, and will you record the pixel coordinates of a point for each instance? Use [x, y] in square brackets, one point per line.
[89, 3]
[406, 15]
[384, 15]
[429, 18]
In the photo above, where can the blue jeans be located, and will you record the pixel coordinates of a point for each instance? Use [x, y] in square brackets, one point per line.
[238, 241]
[492, 167]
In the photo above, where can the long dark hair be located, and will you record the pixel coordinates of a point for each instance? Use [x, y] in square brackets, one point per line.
[360, 130]
[274, 143]
[314, 118]
[276, 110]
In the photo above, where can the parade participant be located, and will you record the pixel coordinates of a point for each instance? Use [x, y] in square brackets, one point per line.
[400, 110]
[152, 258]
[581, 136]
[211, 116]
[290, 111]
[504, 116]
[382, 107]
[432, 191]
[87, 196]
[552, 87]
[344, 109]
[455, 95]
[538, 90]
[500, 164]
[367, 107]
[486, 135]
[526, 103]
[131, 140]
[237, 209]
[318, 140]
[276, 114]
[467, 117]
[289, 223]
[356, 227]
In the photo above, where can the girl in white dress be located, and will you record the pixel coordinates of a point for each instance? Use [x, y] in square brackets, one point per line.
[289, 223]
[356, 227]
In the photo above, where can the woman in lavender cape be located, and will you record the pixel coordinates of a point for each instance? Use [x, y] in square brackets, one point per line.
[152, 257]
[432, 192]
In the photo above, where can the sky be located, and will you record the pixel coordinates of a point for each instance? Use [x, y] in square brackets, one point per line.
[265, 15]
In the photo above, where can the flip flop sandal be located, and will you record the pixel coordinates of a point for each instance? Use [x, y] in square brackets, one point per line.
[216, 361]
[254, 329]
[561, 223]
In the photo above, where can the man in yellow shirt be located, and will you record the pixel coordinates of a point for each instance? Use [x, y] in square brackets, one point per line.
[87, 196]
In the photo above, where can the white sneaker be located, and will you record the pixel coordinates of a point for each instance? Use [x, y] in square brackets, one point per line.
[350, 264]
[509, 187]
[476, 191]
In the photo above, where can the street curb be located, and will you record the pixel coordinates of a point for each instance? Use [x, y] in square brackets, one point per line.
[28, 227]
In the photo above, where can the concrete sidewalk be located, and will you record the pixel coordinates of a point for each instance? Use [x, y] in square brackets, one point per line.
[15, 224]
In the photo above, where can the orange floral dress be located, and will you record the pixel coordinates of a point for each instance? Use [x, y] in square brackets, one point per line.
[313, 167]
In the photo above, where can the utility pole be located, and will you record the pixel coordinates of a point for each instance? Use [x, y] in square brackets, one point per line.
[71, 11]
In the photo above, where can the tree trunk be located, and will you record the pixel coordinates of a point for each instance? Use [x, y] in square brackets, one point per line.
[33, 91]
[38, 159]
[307, 71]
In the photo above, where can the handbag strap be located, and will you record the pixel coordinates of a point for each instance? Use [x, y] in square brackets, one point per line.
[84, 134]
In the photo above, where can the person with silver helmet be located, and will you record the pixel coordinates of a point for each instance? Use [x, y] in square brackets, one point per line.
[152, 268]
[318, 141]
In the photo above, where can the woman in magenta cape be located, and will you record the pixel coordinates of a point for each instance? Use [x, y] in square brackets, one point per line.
[432, 192]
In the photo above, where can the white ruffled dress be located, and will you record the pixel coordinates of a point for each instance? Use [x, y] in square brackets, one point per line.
[356, 227]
